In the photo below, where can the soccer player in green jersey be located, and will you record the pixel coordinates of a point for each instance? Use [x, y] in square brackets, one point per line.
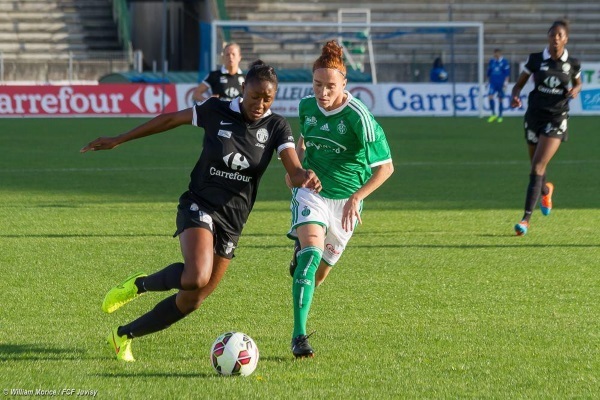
[347, 149]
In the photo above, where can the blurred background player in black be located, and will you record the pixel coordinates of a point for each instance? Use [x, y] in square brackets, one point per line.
[557, 79]
[240, 137]
[226, 82]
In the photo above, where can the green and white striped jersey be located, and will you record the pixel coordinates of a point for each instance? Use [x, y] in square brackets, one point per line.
[341, 145]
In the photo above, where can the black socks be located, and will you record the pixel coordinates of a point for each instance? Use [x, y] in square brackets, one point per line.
[163, 315]
[166, 279]
[533, 194]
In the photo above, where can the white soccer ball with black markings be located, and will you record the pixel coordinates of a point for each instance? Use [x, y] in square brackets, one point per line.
[234, 353]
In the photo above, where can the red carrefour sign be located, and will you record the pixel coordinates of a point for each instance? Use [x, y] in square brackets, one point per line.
[95, 100]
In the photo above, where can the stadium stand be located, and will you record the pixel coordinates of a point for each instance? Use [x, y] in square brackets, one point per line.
[38, 36]
[517, 27]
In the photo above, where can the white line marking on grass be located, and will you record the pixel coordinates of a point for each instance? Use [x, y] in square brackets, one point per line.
[399, 164]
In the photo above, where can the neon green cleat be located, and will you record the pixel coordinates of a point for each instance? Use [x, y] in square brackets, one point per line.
[121, 294]
[492, 118]
[500, 119]
[120, 345]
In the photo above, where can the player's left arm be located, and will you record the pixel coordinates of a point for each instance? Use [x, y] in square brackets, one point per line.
[300, 148]
[379, 159]
[381, 173]
[576, 86]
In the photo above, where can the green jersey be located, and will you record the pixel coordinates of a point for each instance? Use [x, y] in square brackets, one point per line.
[341, 145]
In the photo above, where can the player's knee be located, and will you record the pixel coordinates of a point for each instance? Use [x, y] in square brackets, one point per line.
[195, 280]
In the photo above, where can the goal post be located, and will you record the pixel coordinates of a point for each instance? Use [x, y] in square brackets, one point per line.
[380, 52]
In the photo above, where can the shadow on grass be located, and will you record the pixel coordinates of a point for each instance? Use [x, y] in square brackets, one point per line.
[472, 246]
[84, 235]
[157, 375]
[277, 359]
[33, 352]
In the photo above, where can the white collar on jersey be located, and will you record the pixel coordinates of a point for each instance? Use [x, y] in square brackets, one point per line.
[563, 58]
[235, 106]
[340, 108]
[225, 71]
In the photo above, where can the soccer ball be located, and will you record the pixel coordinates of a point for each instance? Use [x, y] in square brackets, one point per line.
[234, 353]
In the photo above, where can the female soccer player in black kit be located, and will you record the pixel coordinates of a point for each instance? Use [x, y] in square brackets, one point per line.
[240, 137]
[557, 80]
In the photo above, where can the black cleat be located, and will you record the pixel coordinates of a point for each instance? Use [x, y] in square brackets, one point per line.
[294, 261]
[301, 348]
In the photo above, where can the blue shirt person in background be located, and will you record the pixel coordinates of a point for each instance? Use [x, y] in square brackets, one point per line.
[438, 72]
[498, 73]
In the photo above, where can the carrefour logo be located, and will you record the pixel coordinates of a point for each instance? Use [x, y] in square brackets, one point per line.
[552, 81]
[150, 99]
[237, 163]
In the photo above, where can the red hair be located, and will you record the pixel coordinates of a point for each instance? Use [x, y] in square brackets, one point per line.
[332, 56]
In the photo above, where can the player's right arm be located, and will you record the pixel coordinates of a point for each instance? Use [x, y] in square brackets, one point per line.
[161, 123]
[516, 90]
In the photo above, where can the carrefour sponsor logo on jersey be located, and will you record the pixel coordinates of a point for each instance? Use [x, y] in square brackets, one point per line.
[236, 162]
[550, 86]
[324, 144]
[590, 100]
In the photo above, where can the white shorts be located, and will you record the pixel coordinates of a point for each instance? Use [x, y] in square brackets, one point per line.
[309, 207]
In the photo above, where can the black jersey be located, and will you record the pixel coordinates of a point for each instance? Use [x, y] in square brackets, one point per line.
[552, 79]
[226, 86]
[234, 156]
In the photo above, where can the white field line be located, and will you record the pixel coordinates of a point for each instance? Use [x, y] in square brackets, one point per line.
[396, 164]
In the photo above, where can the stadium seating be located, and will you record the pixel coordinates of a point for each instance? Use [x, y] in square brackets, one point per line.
[47, 29]
[517, 27]
[38, 37]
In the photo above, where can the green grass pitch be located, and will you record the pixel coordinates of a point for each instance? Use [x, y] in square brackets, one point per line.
[434, 298]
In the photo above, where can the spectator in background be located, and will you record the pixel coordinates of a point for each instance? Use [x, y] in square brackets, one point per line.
[498, 73]
[438, 72]
[225, 83]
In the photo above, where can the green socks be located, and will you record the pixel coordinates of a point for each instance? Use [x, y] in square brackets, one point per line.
[303, 286]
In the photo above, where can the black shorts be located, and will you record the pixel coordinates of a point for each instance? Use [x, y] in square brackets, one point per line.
[191, 215]
[553, 126]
